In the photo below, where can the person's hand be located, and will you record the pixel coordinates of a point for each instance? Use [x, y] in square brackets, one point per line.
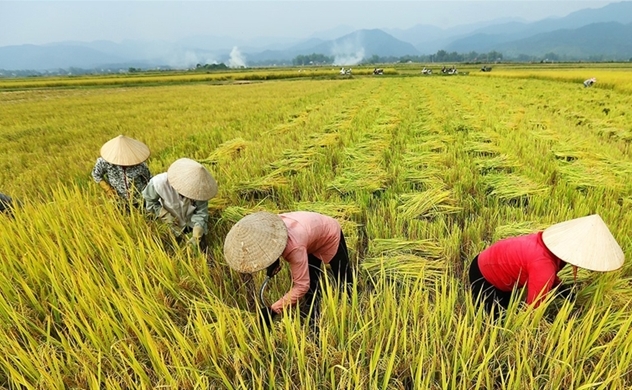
[266, 315]
[196, 237]
[107, 188]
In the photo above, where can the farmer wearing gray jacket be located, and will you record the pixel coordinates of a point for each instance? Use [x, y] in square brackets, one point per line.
[180, 197]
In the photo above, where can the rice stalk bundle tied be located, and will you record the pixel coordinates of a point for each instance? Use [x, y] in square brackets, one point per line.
[481, 148]
[511, 187]
[261, 187]
[394, 246]
[517, 229]
[502, 163]
[406, 266]
[427, 204]
[227, 151]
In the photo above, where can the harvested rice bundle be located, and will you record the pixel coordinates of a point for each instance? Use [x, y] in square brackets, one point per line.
[227, 151]
[261, 187]
[586, 174]
[393, 246]
[235, 213]
[511, 187]
[572, 151]
[402, 266]
[427, 204]
[294, 162]
[502, 163]
[344, 213]
[481, 148]
[517, 229]
[424, 178]
[371, 181]
[422, 159]
[337, 211]
[322, 140]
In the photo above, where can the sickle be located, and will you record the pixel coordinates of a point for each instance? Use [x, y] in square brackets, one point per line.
[261, 291]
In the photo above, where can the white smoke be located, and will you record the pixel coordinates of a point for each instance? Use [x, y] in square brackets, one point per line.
[349, 52]
[237, 59]
[184, 60]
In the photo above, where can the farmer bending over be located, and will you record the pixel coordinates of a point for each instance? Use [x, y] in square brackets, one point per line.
[180, 197]
[121, 170]
[304, 239]
[535, 259]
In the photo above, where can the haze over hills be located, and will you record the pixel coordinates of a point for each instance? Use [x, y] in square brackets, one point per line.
[604, 33]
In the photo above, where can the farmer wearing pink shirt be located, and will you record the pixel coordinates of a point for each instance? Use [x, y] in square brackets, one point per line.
[304, 239]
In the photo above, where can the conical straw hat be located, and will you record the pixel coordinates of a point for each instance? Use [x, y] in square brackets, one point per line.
[585, 242]
[191, 179]
[124, 151]
[255, 242]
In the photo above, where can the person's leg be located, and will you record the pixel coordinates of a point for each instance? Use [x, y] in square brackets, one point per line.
[342, 269]
[312, 297]
[494, 300]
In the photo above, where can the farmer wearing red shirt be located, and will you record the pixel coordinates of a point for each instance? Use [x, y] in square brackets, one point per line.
[306, 240]
[535, 259]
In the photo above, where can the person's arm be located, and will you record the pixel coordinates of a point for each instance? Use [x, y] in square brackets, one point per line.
[200, 215]
[152, 199]
[99, 170]
[299, 268]
[542, 276]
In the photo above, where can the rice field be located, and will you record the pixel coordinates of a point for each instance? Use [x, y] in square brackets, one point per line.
[422, 173]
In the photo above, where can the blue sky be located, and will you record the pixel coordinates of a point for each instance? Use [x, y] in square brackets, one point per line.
[38, 22]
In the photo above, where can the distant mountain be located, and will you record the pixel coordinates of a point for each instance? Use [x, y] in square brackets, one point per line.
[491, 37]
[365, 43]
[333, 33]
[611, 40]
[428, 39]
[347, 50]
[53, 57]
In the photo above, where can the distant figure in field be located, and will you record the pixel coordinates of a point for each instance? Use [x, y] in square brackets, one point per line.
[533, 261]
[378, 71]
[121, 170]
[426, 71]
[180, 198]
[590, 82]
